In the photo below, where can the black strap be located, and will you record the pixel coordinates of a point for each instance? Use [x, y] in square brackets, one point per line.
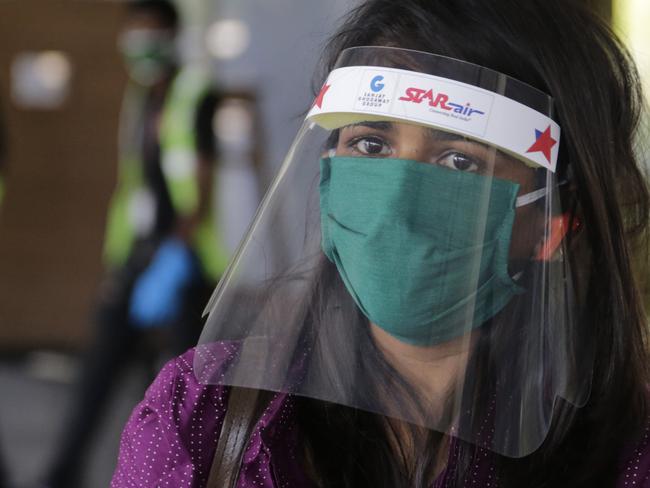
[238, 423]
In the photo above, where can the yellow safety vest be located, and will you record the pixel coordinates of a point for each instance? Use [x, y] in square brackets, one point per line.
[179, 167]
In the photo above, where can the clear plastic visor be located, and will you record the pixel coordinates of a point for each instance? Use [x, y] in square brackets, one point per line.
[410, 270]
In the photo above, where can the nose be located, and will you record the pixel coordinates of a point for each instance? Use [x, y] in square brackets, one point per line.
[412, 143]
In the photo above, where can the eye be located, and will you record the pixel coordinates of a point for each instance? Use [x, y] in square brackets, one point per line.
[459, 162]
[370, 146]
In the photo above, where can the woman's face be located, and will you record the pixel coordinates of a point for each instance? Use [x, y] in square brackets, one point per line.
[430, 146]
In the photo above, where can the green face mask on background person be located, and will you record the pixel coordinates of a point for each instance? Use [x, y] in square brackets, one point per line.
[415, 245]
[148, 54]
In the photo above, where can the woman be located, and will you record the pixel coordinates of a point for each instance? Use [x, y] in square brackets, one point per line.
[458, 307]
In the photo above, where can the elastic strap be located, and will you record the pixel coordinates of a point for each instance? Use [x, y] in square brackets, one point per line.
[236, 430]
[531, 197]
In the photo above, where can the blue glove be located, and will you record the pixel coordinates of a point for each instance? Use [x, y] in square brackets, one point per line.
[157, 296]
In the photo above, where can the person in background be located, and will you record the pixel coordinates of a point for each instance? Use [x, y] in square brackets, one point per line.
[459, 308]
[163, 251]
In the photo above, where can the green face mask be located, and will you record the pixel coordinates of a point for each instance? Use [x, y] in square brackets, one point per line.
[415, 245]
[148, 54]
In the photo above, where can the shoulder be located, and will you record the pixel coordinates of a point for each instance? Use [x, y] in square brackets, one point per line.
[635, 467]
[183, 384]
[171, 435]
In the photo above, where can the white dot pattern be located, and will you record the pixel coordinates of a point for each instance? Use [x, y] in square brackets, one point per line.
[171, 437]
[636, 472]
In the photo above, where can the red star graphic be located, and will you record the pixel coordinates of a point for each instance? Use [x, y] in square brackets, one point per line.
[544, 143]
[319, 99]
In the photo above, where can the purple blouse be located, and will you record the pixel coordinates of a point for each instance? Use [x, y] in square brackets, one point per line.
[171, 437]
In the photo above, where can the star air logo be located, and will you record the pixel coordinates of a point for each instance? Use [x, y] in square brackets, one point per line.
[440, 102]
[319, 99]
[543, 143]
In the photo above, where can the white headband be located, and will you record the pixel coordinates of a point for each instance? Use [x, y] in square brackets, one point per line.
[381, 93]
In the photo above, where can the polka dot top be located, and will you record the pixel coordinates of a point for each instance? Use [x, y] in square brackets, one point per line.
[170, 440]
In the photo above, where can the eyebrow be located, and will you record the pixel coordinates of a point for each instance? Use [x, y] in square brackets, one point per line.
[372, 125]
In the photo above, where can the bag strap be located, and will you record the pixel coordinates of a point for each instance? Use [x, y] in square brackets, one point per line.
[238, 424]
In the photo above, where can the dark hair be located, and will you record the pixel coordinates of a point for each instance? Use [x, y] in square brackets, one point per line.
[562, 48]
[163, 9]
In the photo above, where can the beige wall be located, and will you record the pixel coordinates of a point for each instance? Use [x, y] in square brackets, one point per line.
[61, 172]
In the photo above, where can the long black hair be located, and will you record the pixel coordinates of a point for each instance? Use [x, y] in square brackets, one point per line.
[561, 48]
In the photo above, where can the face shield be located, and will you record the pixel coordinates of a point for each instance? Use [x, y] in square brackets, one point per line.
[426, 276]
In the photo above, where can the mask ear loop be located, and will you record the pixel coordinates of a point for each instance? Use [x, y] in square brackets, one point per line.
[559, 227]
[531, 197]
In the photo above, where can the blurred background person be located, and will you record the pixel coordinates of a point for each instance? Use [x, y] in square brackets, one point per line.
[163, 251]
